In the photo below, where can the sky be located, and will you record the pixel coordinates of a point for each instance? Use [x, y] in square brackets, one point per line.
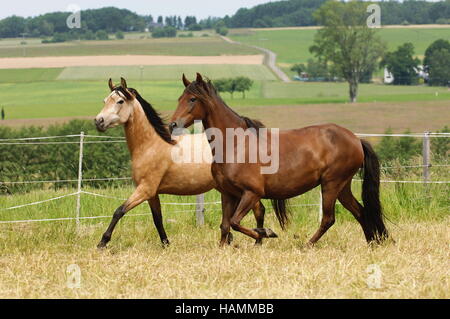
[199, 8]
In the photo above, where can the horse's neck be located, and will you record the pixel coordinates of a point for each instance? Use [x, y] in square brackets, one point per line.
[222, 117]
[139, 133]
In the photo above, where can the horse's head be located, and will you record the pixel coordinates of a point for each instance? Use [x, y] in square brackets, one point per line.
[191, 104]
[117, 109]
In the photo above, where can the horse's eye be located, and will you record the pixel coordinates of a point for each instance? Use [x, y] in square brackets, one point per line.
[121, 102]
[192, 100]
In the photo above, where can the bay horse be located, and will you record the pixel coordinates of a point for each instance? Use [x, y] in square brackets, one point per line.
[151, 147]
[326, 155]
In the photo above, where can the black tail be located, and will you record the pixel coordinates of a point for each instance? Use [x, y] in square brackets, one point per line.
[373, 215]
[281, 211]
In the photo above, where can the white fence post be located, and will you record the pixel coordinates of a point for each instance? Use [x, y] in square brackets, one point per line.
[200, 210]
[426, 157]
[80, 178]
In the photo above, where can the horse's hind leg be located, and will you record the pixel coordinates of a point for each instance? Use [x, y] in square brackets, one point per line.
[351, 204]
[135, 199]
[155, 206]
[259, 211]
[330, 192]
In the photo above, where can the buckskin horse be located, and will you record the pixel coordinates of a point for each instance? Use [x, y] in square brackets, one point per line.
[152, 147]
[326, 155]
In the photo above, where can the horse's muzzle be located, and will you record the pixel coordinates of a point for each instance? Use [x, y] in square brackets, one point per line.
[100, 124]
[172, 126]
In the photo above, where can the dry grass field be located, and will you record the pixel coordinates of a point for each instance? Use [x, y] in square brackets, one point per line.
[135, 266]
[34, 256]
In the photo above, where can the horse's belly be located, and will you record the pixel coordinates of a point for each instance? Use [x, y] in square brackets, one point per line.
[284, 190]
[191, 179]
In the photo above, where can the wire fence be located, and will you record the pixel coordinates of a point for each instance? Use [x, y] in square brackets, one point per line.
[200, 203]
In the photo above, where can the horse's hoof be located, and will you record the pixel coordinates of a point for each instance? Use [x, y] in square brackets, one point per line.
[266, 232]
[101, 246]
[229, 238]
[258, 242]
[165, 243]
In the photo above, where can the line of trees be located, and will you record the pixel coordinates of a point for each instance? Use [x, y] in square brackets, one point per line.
[300, 13]
[231, 85]
[405, 67]
[273, 14]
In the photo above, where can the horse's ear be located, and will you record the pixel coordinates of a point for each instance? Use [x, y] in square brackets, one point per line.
[123, 83]
[185, 81]
[111, 85]
[199, 78]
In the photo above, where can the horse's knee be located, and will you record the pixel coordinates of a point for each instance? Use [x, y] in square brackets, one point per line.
[234, 225]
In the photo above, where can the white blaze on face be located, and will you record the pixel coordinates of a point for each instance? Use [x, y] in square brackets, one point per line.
[111, 113]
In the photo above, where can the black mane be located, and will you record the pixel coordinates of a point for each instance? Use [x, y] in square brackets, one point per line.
[206, 91]
[152, 115]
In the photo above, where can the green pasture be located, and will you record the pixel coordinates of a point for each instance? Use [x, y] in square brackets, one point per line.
[43, 99]
[292, 46]
[166, 72]
[197, 46]
[29, 75]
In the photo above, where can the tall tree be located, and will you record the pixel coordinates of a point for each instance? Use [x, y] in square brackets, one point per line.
[347, 42]
[435, 46]
[439, 68]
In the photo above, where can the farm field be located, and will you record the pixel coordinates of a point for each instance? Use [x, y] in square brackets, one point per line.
[36, 255]
[45, 99]
[292, 46]
[177, 46]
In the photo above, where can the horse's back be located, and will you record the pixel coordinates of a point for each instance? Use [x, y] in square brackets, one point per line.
[310, 154]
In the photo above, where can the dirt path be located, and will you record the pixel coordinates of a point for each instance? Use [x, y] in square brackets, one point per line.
[271, 61]
[68, 61]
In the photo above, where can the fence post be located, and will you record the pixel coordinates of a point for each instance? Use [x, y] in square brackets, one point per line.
[200, 210]
[426, 157]
[80, 178]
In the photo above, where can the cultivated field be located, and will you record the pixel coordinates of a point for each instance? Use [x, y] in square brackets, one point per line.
[34, 256]
[69, 98]
[292, 46]
[179, 46]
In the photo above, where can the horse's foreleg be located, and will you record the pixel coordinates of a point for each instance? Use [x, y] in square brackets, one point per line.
[155, 206]
[259, 211]
[135, 199]
[228, 207]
